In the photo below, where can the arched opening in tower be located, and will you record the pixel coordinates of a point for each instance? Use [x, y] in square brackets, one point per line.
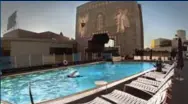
[97, 44]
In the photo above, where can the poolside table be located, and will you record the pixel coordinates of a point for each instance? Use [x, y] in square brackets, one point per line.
[101, 83]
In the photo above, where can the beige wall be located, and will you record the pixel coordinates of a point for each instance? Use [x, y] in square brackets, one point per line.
[29, 47]
[163, 49]
[28, 52]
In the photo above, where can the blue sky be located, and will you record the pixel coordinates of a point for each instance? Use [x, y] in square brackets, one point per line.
[160, 18]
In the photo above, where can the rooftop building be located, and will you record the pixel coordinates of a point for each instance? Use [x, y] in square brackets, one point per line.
[181, 34]
[161, 44]
[20, 33]
[23, 42]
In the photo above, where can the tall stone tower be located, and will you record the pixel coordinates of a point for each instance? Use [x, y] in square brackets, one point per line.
[121, 20]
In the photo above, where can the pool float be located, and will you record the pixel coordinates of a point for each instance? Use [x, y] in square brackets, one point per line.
[65, 62]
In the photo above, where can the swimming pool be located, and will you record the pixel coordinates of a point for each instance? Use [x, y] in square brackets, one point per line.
[54, 84]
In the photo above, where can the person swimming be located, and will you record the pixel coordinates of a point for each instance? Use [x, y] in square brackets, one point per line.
[74, 74]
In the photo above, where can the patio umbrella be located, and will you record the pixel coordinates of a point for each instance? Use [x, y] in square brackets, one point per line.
[1, 49]
[151, 54]
[180, 61]
[173, 53]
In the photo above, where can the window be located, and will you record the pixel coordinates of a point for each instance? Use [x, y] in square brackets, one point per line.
[100, 22]
[110, 43]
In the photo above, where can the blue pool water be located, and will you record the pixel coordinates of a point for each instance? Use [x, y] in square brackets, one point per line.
[54, 84]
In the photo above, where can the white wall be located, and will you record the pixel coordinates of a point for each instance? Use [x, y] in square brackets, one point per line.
[110, 43]
[29, 47]
[29, 52]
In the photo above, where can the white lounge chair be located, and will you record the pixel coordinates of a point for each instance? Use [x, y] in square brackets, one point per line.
[149, 88]
[121, 97]
[98, 100]
[148, 81]
[135, 58]
[168, 66]
[154, 82]
[159, 75]
[145, 57]
[166, 58]
[139, 58]
[155, 58]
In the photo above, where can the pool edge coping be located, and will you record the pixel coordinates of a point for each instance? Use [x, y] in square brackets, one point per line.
[80, 95]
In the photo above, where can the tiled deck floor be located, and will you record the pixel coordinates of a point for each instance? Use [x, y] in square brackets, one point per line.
[180, 88]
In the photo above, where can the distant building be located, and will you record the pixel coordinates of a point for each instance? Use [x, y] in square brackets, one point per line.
[174, 43]
[153, 44]
[121, 21]
[167, 44]
[181, 34]
[186, 48]
[161, 44]
[22, 42]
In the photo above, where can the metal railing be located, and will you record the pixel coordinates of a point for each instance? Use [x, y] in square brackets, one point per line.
[8, 62]
[32, 60]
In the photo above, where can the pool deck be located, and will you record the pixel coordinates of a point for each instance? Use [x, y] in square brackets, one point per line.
[180, 88]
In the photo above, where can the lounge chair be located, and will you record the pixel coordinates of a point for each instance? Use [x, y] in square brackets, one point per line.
[148, 81]
[148, 88]
[167, 67]
[121, 97]
[137, 58]
[155, 82]
[149, 85]
[156, 57]
[98, 100]
[158, 75]
[166, 58]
